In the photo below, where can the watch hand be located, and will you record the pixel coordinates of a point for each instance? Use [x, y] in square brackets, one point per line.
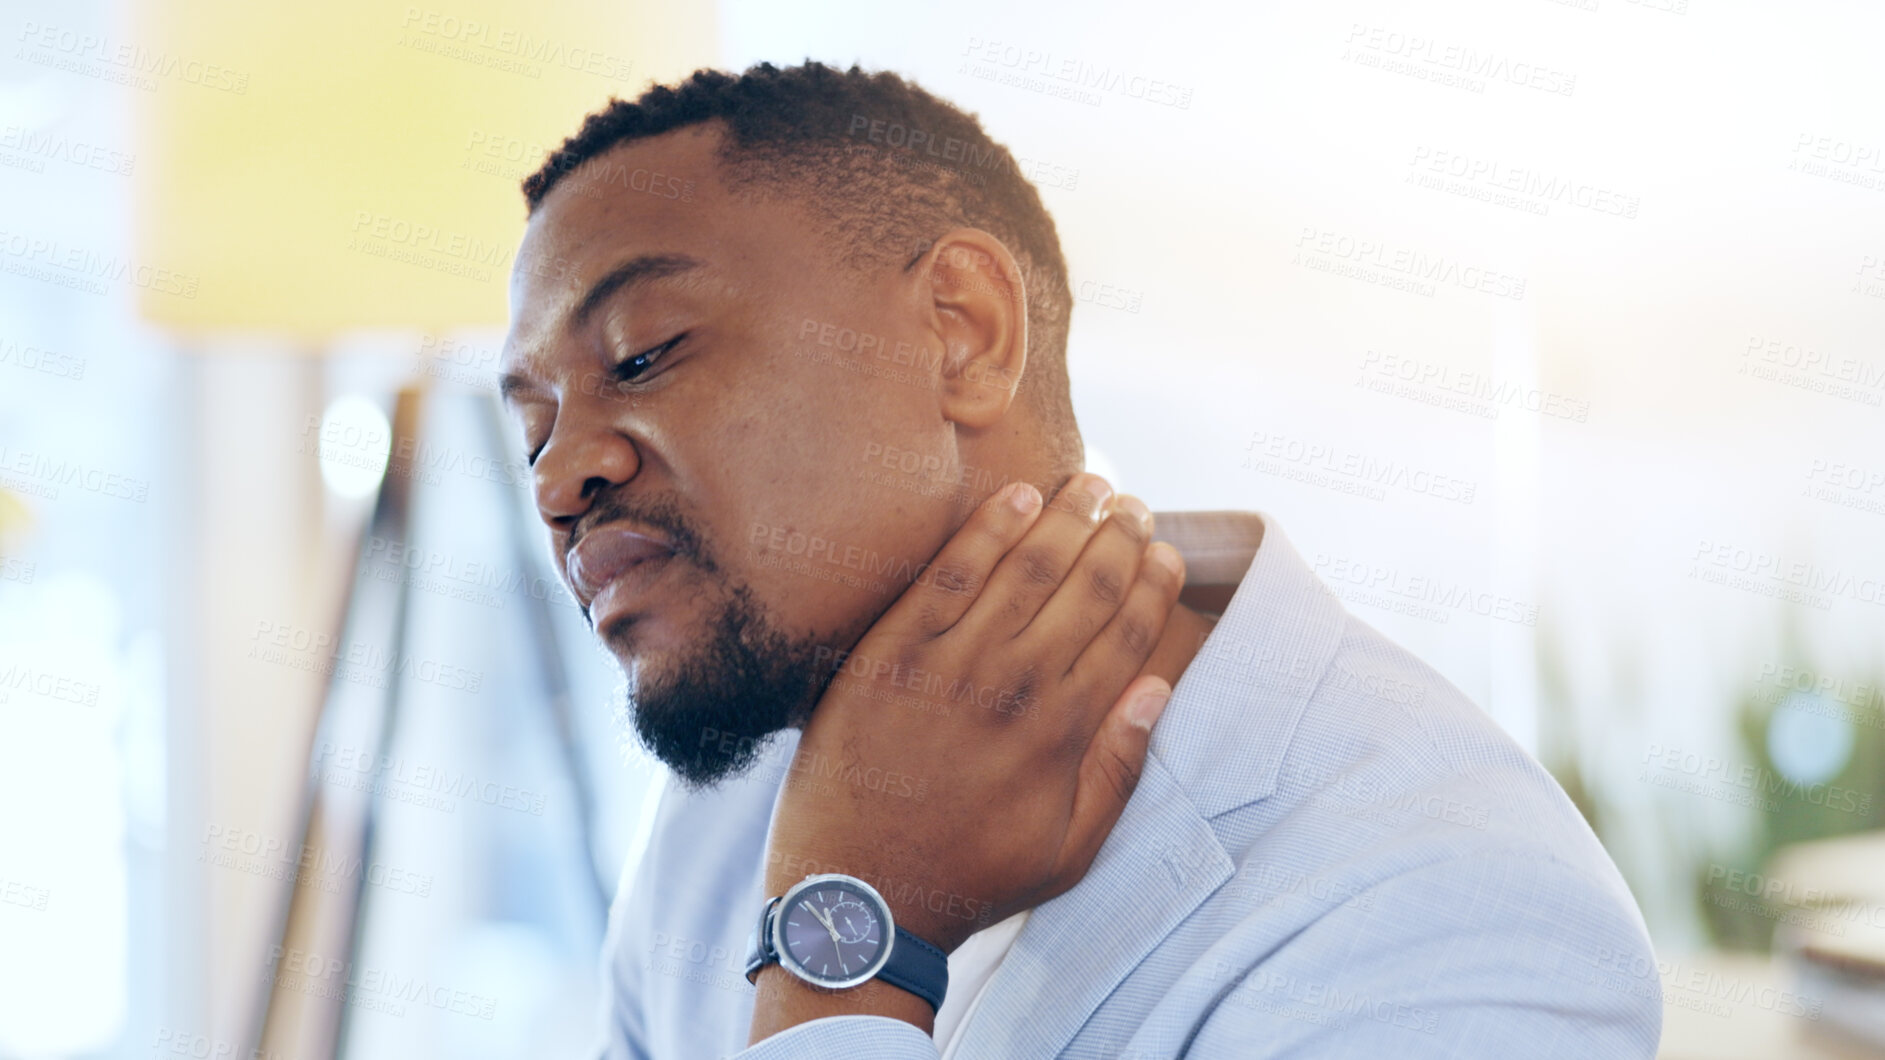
[823, 918]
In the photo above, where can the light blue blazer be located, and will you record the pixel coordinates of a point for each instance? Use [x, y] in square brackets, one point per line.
[1331, 853]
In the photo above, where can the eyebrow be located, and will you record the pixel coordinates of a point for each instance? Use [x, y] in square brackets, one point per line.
[626, 276]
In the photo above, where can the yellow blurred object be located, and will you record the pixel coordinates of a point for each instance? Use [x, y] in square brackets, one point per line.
[15, 520]
[312, 168]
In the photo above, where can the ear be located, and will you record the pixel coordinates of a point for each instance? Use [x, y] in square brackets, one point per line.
[980, 316]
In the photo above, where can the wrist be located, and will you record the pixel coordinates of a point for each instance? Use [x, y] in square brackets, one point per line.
[935, 926]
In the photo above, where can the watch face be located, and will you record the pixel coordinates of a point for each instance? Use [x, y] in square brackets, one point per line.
[833, 930]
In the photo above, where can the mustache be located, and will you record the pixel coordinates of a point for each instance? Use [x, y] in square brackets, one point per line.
[661, 513]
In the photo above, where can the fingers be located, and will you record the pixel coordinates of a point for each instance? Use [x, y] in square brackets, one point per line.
[1111, 769]
[1123, 646]
[1035, 567]
[939, 598]
[1095, 589]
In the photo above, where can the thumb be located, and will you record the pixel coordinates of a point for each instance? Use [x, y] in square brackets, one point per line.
[1114, 761]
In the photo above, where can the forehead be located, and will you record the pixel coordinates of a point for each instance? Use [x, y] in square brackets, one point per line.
[659, 196]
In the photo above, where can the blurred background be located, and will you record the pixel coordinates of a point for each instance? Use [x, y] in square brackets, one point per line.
[1551, 331]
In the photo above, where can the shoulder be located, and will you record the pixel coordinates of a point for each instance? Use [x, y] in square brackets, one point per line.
[1408, 835]
[1386, 738]
[1481, 952]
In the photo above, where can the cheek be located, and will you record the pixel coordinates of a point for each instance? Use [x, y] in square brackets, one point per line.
[816, 576]
[812, 416]
[801, 511]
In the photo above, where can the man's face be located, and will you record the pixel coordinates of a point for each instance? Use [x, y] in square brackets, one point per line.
[708, 459]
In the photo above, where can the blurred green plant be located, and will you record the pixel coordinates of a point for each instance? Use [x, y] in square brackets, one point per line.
[1841, 803]
[1786, 811]
[1559, 747]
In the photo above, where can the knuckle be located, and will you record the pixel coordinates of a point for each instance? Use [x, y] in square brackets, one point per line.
[1107, 586]
[1026, 686]
[1018, 706]
[954, 577]
[931, 618]
[1016, 696]
[1135, 634]
[1036, 567]
[1016, 607]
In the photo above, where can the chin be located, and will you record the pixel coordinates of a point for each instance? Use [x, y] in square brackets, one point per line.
[705, 696]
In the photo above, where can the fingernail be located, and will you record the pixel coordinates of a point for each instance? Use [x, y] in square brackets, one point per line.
[1023, 497]
[1088, 495]
[1145, 710]
[1135, 509]
[1166, 556]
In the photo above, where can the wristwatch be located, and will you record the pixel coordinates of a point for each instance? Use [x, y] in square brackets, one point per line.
[835, 931]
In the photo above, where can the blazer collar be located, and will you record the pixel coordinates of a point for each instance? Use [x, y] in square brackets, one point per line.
[1235, 708]
[1219, 745]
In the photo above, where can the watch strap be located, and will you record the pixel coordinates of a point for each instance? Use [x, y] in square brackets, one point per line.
[918, 967]
[759, 951]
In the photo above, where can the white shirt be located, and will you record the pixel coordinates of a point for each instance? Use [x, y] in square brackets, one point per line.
[971, 966]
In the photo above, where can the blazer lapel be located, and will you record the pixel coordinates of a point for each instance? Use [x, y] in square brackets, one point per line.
[1218, 746]
[1160, 862]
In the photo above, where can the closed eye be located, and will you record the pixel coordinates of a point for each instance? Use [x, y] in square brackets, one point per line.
[635, 367]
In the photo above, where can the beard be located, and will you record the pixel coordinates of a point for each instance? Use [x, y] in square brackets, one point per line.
[709, 717]
[709, 714]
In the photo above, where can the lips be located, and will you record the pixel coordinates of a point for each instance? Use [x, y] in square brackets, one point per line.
[607, 553]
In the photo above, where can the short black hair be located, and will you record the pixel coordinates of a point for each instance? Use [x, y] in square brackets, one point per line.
[887, 165]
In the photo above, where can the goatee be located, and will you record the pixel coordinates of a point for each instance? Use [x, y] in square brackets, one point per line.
[710, 717]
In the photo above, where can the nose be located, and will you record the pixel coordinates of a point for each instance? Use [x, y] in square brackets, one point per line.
[577, 463]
